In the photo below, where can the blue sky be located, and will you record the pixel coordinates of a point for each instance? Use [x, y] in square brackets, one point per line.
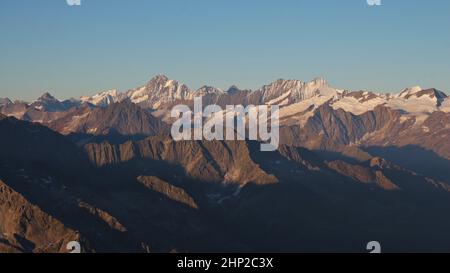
[103, 44]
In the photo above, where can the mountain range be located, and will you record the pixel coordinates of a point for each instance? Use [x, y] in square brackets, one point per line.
[352, 167]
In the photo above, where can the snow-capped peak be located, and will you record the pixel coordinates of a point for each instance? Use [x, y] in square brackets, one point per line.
[104, 98]
[4, 101]
[410, 91]
[204, 90]
[159, 90]
[49, 103]
[161, 81]
[316, 87]
[412, 101]
[46, 97]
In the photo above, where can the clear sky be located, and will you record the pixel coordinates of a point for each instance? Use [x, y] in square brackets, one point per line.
[70, 51]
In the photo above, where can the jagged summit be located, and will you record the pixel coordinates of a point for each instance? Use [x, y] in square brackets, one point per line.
[161, 92]
[233, 89]
[4, 101]
[418, 92]
[158, 91]
[160, 77]
[47, 97]
[292, 91]
[161, 80]
[205, 90]
[410, 91]
[104, 98]
[47, 102]
[319, 81]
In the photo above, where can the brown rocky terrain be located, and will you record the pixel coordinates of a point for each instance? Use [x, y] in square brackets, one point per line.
[218, 161]
[157, 195]
[352, 167]
[123, 118]
[24, 227]
[171, 191]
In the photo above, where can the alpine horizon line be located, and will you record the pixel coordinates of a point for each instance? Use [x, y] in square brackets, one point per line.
[225, 91]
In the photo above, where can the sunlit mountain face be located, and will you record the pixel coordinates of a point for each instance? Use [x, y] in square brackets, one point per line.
[351, 166]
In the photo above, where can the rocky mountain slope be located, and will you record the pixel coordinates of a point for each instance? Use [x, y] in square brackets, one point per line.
[24, 227]
[124, 118]
[47, 200]
[352, 167]
[307, 109]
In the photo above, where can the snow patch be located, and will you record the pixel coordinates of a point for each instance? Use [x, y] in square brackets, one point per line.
[352, 105]
[281, 98]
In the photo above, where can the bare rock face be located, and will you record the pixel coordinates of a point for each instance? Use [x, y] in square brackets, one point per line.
[330, 129]
[111, 212]
[24, 227]
[48, 103]
[363, 174]
[431, 134]
[4, 101]
[103, 215]
[388, 176]
[172, 192]
[31, 142]
[45, 109]
[318, 116]
[216, 161]
[124, 118]
[16, 109]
